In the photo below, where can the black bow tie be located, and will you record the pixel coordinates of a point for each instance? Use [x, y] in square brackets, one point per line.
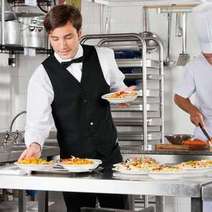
[77, 60]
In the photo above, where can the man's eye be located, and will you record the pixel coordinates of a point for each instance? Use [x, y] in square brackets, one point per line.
[69, 37]
[55, 39]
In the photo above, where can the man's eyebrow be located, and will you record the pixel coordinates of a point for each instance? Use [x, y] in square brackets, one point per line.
[69, 34]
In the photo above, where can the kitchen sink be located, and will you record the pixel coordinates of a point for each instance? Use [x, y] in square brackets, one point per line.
[17, 147]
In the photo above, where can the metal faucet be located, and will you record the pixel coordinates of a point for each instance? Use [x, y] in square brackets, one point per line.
[11, 125]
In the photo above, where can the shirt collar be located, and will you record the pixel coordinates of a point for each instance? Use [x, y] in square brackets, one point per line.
[78, 54]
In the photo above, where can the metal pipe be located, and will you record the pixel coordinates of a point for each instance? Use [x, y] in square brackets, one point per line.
[184, 36]
[145, 19]
[2, 23]
[13, 120]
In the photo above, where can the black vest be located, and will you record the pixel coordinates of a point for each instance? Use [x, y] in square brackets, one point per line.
[83, 120]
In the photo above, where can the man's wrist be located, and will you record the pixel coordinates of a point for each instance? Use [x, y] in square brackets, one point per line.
[35, 143]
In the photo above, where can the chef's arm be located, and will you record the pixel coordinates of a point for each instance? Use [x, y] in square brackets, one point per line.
[185, 104]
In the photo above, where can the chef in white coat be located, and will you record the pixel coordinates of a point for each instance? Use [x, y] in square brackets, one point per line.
[198, 75]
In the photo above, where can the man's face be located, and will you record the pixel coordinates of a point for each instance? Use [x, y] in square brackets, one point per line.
[65, 40]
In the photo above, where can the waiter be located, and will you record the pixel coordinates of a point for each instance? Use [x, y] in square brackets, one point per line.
[198, 75]
[68, 86]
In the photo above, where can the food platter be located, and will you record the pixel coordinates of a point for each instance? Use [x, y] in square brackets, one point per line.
[120, 97]
[166, 175]
[79, 168]
[33, 164]
[136, 166]
[73, 164]
[131, 172]
[33, 167]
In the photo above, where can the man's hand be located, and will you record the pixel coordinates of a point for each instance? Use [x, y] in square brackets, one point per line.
[126, 105]
[34, 150]
[196, 117]
[185, 104]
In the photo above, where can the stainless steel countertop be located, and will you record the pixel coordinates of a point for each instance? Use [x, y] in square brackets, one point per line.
[105, 183]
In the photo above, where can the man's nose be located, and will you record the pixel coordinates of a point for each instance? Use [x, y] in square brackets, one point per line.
[63, 44]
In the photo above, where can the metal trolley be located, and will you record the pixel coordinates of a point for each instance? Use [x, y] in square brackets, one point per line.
[142, 123]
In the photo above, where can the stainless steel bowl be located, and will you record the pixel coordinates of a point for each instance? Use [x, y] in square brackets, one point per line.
[178, 138]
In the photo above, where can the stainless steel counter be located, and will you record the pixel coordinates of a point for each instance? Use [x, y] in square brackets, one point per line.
[105, 183]
[108, 183]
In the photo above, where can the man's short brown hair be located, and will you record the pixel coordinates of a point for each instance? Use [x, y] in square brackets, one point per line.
[59, 15]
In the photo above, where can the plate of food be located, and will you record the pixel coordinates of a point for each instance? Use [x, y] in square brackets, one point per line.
[121, 97]
[136, 166]
[166, 172]
[195, 167]
[75, 164]
[34, 164]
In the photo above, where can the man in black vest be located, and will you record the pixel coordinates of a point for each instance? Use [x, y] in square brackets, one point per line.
[68, 85]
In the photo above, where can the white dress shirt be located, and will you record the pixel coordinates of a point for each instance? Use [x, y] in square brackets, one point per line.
[40, 93]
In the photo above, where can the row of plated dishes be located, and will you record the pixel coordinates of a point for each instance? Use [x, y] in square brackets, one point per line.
[73, 164]
[133, 166]
[155, 170]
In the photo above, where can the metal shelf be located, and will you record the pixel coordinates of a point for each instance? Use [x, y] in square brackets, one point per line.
[150, 107]
[139, 76]
[136, 121]
[134, 136]
[137, 63]
[149, 3]
[150, 93]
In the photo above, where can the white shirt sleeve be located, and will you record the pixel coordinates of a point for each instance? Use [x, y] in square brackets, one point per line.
[39, 119]
[187, 85]
[113, 76]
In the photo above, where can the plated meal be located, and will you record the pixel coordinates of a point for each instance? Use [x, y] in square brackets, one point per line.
[33, 164]
[166, 172]
[75, 164]
[136, 166]
[195, 165]
[150, 167]
[121, 97]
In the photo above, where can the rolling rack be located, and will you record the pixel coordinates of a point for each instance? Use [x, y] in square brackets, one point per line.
[142, 123]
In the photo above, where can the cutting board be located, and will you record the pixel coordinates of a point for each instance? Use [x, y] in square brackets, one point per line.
[173, 147]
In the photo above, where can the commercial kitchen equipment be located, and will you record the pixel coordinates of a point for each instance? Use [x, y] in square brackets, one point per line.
[108, 183]
[142, 123]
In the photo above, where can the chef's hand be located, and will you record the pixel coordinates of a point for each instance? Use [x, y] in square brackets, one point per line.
[196, 117]
[126, 105]
[34, 150]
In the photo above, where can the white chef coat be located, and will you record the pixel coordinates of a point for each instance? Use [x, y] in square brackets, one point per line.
[40, 94]
[198, 80]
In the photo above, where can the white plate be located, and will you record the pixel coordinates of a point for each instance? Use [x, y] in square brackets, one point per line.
[166, 175]
[196, 172]
[196, 169]
[33, 167]
[82, 168]
[131, 172]
[119, 100]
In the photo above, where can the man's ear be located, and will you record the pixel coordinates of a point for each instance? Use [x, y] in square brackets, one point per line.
[79, 33]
